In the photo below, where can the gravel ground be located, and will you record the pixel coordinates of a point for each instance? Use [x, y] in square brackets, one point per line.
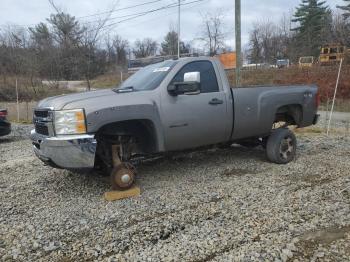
[340, 121]
[215, 205]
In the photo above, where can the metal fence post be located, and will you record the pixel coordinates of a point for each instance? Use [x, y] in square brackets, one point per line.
[335, 94]
[17, 100]
[238, 42]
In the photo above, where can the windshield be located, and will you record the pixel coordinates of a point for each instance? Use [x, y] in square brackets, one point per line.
[148, 78]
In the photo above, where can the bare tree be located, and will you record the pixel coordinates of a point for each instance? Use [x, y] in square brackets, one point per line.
[84, 39]
[345, 8]
[87, 47]
[145, 48]
[121, 47]
[270, 41]
[213, 31]
[17, 60]
[341, 30]
[16, 43]
[255, 55]
[110, 52]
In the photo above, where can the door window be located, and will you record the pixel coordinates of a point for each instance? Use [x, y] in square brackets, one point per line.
[209, 83]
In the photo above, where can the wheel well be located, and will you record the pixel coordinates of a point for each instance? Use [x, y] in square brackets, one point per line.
[143, 130]
[291, 114]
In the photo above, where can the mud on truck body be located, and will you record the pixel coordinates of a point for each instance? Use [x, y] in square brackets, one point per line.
[171, 106]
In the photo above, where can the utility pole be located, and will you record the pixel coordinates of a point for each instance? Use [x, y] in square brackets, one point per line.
[179, 30]
[238, 42]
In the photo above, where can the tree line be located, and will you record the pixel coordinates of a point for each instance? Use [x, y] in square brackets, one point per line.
[63, 48]
[303, 33]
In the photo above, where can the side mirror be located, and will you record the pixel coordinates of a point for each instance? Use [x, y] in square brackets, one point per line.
[192, 77]
[190, 86]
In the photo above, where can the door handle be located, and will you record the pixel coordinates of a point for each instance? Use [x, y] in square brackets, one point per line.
[216, 101]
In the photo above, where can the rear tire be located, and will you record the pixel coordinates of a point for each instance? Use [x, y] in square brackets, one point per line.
[281, 146]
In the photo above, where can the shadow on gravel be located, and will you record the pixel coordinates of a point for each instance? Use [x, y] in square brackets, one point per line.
[208, 156]
[308, 180]
[11, 139]
[155, 171]
[193, 167]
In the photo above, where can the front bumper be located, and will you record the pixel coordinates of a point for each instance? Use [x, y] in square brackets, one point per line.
[68, 152]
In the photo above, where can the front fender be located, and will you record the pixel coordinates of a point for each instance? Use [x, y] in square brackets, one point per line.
[100, 118]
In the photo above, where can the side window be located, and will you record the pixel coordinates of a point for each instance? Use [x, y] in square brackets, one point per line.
[209, 83]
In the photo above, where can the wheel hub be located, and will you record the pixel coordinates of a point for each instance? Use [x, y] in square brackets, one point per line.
[286, 147]
[125, 178]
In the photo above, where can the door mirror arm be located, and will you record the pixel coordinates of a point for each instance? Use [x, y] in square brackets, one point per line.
[190, 86]
[184, 88]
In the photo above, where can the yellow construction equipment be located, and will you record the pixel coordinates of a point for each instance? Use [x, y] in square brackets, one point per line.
[332, 54]
[306, 61]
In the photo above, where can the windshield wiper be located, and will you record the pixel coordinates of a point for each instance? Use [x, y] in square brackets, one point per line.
[124, 89]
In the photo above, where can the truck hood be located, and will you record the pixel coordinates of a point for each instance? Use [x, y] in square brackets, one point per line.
[98, 100]
[67, 101]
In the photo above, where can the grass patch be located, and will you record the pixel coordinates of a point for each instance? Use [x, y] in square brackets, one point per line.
[28, 90]
[108, 80]
[340, 105]
[309, 130]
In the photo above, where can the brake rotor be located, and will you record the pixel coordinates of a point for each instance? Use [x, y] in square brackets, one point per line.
[123, 176]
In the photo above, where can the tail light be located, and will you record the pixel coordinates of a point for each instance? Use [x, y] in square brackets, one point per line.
[3, 113]
[317, 99]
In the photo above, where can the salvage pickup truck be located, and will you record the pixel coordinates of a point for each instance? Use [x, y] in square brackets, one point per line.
[170, 106]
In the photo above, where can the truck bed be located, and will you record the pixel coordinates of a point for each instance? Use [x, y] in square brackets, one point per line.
[255, 108]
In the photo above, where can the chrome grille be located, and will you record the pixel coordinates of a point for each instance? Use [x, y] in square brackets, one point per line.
[41, 129]
[43, 122]
[41, 113]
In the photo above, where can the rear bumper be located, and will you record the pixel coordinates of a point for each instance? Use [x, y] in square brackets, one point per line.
[68, 152]
[5, 127]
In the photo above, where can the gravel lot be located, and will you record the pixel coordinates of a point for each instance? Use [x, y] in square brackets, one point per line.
[216, 205]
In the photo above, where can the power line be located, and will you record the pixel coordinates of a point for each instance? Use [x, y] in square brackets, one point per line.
[137, 15]
[156, 18]
[131, 15]
[124, 16]
[163, 16]
[148, 12]
[101, 13]
[120, 9]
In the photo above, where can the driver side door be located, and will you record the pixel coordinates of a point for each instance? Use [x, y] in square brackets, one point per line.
[194, 120]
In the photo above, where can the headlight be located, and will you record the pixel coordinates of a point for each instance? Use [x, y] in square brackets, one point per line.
[70, 122]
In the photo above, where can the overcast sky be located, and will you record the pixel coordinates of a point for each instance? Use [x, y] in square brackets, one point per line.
[155, 25]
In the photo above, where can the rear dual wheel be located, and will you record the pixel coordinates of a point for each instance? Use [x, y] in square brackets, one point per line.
[281, 146]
